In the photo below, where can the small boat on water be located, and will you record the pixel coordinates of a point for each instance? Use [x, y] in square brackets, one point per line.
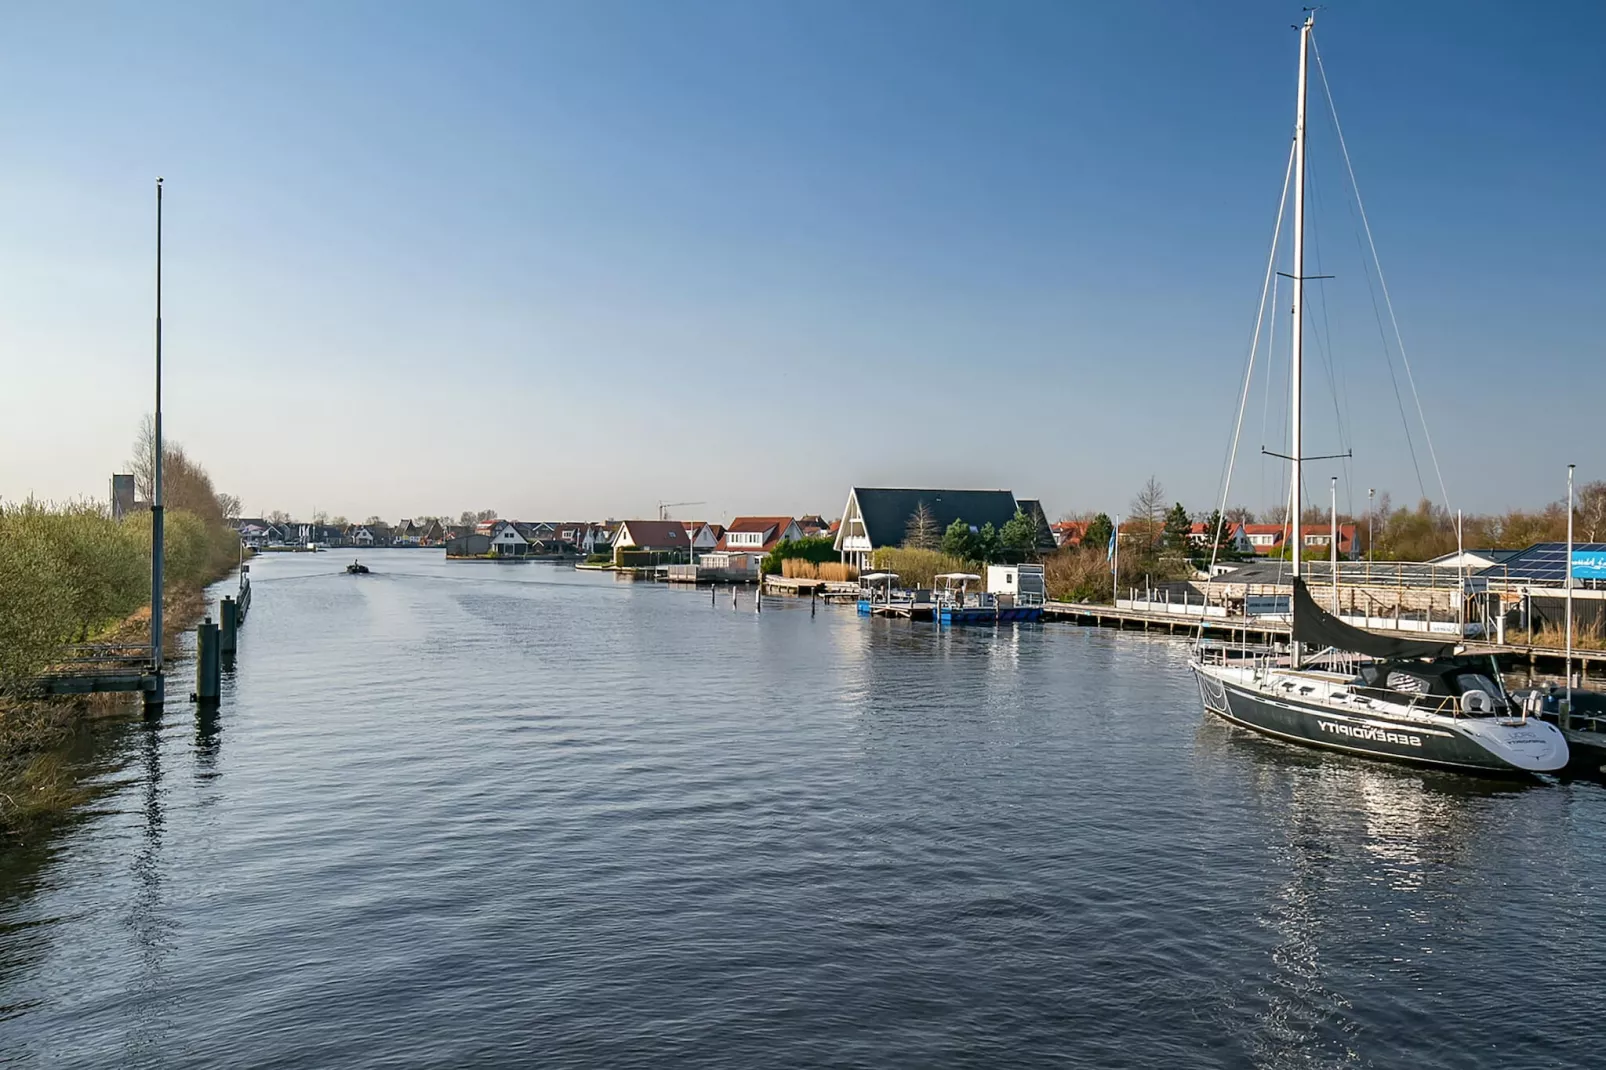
[357, 569]
[880, 597]
[1016, 595]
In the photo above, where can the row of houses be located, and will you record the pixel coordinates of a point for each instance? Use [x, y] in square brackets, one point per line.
[1258, 540]
[261, 534]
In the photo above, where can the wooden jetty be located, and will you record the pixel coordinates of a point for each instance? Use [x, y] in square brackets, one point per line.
[1272, 630]
[97, 668]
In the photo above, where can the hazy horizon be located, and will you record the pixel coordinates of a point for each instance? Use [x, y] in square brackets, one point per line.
[569, 261]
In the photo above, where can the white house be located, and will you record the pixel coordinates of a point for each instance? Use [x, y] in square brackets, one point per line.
[507, 540]
[703, 536]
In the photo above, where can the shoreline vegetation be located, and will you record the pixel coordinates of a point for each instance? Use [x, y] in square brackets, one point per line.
[72, 573]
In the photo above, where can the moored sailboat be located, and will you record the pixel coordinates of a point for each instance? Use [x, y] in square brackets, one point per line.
[1391, 697]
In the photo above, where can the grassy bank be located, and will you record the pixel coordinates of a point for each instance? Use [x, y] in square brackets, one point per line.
[71, 574]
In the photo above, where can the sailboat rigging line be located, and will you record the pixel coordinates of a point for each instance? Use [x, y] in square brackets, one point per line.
[1324, 344]
[1249, 373]
[1388, 302]
[1265, 402]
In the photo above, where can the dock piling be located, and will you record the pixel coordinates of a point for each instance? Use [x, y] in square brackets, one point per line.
[229, 624]
[208, 664]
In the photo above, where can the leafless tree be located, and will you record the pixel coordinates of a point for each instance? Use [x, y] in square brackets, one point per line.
[1240, 514]
[921, 533]
[143, 463]
[1589, 523]
[1148, 512]
[278, 516]
[230, 504]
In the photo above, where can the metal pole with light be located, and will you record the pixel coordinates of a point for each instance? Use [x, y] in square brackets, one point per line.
[157, 546]
[1371, 521]
[1566, 711]
[1333, 542]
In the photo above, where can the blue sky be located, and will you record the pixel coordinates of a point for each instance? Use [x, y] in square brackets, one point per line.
[571, 259]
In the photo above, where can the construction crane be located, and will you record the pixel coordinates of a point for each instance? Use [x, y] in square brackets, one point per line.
[664, 507]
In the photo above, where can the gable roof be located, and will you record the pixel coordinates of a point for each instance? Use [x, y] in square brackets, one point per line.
[1034, 509]
[772, 528]
[886, 510]
[654, 534]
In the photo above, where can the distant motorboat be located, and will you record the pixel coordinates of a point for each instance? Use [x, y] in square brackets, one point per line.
[357, 569]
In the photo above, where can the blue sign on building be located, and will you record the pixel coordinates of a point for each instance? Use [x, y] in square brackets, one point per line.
[1589, 565]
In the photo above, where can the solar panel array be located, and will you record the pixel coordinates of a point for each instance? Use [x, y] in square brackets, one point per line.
[1542, 565]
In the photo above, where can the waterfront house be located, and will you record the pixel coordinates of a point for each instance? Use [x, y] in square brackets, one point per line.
[757, 534]
[879, 516]
[434, 533]
[407, 533]
[813, 526]
[1201, 535]
[598, 538]
[650, 542]
[515, 538]
[1267, 540]
[703, 536]
[466, 542]
[1068, 532]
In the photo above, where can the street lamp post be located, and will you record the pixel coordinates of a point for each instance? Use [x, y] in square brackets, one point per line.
[1567, 581]
[1371, 538]
[157, 546]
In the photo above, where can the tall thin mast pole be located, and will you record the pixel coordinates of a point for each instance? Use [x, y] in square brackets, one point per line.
[1568, 581]
[1295, 385]
[1371, 529]
[1115, 563]
[1332, 542]
[157, 545]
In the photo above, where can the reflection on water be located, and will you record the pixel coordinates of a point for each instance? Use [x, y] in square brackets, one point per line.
[458, 814]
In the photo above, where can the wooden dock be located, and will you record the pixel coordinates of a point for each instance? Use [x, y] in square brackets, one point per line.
[95, 668]
[1589, 662]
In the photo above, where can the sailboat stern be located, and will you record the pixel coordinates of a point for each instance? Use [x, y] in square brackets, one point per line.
[1531, 745]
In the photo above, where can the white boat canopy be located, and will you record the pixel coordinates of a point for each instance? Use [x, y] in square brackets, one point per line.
[958, 576]
[878, 577]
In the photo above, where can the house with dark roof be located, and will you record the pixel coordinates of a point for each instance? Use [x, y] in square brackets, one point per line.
[1045, 533]
[879, 516]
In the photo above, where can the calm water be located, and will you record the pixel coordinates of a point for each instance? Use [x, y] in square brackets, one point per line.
[478, 815]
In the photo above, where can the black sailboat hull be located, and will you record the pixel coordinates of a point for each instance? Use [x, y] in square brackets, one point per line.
[1372, 735]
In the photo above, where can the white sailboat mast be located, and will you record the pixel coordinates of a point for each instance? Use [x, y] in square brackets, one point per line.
[1295, 382]
[1296, 386]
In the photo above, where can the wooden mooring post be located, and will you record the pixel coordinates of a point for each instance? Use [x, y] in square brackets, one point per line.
[208, 664]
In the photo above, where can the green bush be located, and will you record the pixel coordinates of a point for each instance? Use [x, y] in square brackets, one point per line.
[68, 573]
[816, 549]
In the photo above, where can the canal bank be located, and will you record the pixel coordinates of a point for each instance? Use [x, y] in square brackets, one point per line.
[523, 817]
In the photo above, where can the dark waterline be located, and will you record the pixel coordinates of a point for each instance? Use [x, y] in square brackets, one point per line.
[489, 815]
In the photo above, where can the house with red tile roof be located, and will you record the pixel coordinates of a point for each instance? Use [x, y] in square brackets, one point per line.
[757, 534]
[1068, 532]
[1268, 539]
[660, 537]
